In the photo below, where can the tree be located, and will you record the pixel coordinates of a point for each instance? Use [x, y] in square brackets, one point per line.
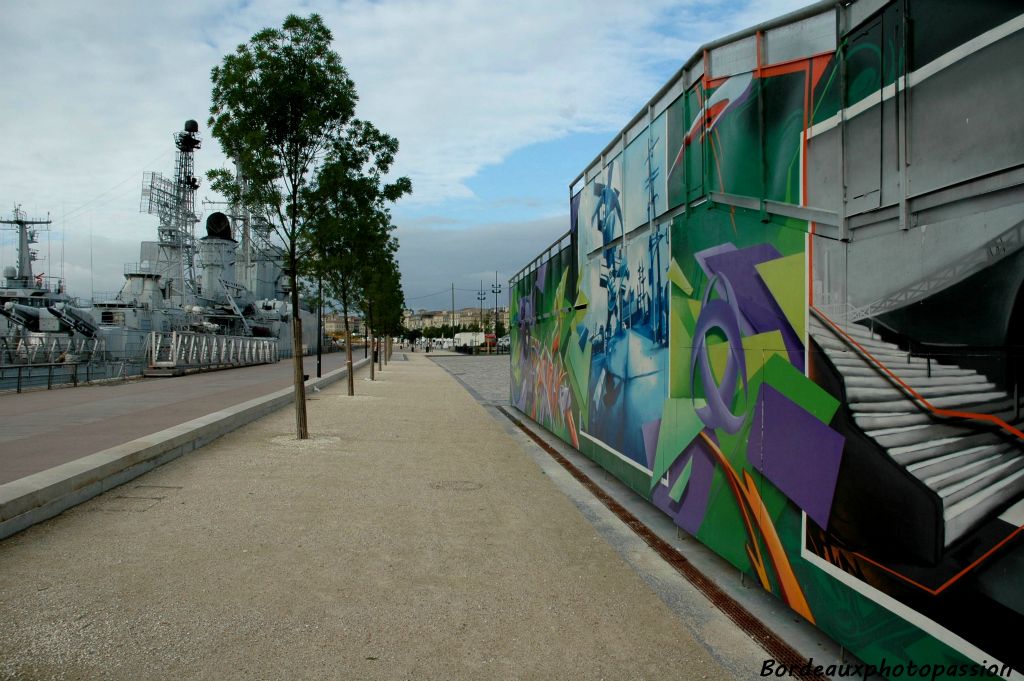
[383, 302]
[347, 260]
[350, 221]
[281, 105]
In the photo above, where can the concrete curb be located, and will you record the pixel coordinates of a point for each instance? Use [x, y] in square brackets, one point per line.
[43, 495]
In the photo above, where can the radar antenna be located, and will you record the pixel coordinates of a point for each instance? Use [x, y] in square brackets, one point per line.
[173, 202]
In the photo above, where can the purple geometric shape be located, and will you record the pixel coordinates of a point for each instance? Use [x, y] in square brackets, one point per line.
[688, 513]
[541, 274]
[738, 267]
[650, 432]
[798, 453]
[756, 302]
[521, 401]
[702, 256]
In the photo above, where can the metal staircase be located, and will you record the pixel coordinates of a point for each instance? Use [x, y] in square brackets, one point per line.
[180, 352]
[974, 468]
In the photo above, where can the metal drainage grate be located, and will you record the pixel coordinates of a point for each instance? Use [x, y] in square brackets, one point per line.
[740, 616]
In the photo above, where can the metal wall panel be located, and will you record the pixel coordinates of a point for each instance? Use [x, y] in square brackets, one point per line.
[737, 57]
[637, 129]
[954, 115]
[678, 87]
[613, 150]
[862, 10]
[889, 163]
[695, 72]
[824, 186]
[863, 160]
[802, 39]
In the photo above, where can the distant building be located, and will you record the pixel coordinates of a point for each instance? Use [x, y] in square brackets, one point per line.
[464, 317]
[334, 325]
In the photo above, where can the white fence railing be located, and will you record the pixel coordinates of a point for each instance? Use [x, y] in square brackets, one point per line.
[185, 350]
[48, 349]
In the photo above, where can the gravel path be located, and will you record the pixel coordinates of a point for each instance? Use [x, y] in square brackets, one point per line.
[389, 546]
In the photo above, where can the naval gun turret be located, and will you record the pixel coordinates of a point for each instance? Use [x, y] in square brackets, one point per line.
[217, 253]
[218, 288]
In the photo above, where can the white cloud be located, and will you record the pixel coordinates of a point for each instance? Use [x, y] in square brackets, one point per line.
[432, 258]
[91, 92]
[464, 84]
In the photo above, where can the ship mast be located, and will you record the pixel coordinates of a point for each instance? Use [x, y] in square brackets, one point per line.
[173, 202]
[26, 237]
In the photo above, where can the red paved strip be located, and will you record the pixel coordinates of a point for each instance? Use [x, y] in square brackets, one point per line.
[740, 616]
[46, 428]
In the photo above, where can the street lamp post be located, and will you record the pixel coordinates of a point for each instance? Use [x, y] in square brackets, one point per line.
[319, 324]
[481, 297]
[496, 288]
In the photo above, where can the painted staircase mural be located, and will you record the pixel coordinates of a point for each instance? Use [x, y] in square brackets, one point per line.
[823, 386]
[966, 471]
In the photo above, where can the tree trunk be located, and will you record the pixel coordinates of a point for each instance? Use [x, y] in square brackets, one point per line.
[380, 353]
[348, 351]
[373, 359]
[301, 430]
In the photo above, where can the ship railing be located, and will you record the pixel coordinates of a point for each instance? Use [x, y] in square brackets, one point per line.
[48, 361]
[48, 349]
[194, 351]
[20, 377]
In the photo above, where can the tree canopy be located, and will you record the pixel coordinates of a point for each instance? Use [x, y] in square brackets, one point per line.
[351, 223]
[283, 109]
[279, 104]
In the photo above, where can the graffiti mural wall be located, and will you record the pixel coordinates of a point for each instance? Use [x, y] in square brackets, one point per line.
[786, 317]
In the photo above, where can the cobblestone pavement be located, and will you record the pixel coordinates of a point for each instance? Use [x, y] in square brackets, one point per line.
[486, 376]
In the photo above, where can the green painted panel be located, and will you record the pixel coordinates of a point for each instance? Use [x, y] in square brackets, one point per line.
[785, 279]
[679, 425]
[788, 380]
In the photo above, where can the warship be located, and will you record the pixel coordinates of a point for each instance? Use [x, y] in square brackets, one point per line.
[187, 304]
[38, 319]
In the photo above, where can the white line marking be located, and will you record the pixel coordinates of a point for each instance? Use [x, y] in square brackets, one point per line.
[929, 626]
[622, 456]
[928, 70]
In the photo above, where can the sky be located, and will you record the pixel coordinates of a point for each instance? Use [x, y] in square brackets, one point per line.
[497, 107]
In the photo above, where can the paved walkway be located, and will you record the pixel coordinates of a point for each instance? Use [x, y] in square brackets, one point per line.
[45, 428]
[410, 538]
[487, 377]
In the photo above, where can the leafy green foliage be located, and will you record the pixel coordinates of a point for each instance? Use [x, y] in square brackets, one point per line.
[279, 104]
[350, 221]
[383, 301]
[283, 109]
